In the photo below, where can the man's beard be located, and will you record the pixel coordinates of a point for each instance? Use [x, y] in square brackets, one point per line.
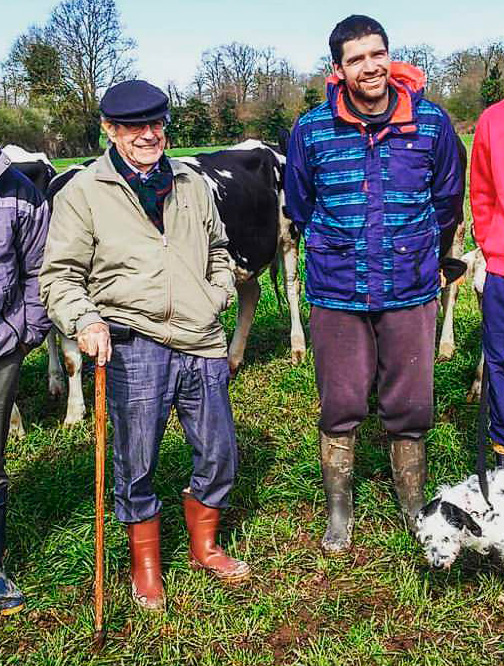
[371, 96]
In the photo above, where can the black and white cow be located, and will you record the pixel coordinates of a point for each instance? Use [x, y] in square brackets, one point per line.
[449, 294]
[247, 184]
[36, 166]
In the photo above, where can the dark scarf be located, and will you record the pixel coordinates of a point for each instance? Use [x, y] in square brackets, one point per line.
[151, 192]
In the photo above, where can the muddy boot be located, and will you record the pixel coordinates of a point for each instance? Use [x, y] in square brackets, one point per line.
[203, 524]
[337, 455]
[145, 552]
[11, 599]
[409, 469]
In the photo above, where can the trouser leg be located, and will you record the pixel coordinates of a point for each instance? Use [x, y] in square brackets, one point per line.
[493, 347]
[141, 380]
[140, 384]
[204, 411]
[344, 348]
[406, 346]
[345, 354]
[11, 598]
[202, 403]
[9, 381]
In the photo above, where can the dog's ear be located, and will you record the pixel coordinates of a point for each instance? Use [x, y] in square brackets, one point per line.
[429, 508]
[458, 518]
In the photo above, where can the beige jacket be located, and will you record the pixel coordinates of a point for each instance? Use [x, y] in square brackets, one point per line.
[105, 258]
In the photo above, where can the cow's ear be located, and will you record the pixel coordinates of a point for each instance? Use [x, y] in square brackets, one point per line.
[283, 140]
[460, 519]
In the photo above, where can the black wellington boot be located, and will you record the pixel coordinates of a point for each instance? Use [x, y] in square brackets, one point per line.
[11, 599]
[409, 470]
[337, 455]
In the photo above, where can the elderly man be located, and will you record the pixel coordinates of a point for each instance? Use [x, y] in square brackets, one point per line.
[136, 244]
[24, 220]
[487, 203]
[373, 179]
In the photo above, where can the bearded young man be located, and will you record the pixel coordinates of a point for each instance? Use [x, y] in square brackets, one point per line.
[136, 240]
[374, 182]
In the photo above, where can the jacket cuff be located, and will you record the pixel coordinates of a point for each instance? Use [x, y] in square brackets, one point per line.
[87, 319]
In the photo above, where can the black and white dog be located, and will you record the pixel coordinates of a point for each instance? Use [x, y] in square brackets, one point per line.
[459, 517]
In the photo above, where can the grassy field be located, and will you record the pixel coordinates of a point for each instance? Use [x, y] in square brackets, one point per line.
[376, 605]
[63, 162]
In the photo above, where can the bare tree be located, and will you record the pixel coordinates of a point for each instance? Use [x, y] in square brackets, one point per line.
[93, 49]
[228, 70]
[241, 65]
[491, 54]
[175, 96]
[422, 56]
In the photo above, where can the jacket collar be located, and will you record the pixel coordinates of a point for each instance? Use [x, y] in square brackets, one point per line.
[4, 162]
[105, 170]
[408, 82]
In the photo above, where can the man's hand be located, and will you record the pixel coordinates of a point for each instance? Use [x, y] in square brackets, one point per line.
[94, 340]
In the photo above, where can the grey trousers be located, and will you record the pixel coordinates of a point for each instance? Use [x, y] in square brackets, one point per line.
[395, 348]
[9, 381]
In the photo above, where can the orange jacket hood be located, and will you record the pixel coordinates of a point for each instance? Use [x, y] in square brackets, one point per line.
[409, 82]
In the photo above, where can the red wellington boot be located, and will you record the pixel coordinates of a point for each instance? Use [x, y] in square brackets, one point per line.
[203, 524]
[145, 552]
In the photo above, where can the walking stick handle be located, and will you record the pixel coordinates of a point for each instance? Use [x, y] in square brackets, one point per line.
[101, 438]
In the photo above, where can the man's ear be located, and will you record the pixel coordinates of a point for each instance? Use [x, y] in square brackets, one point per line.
[338, 71]
[109, 129]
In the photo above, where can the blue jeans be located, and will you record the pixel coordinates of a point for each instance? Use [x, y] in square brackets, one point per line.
[493, 347]
[144, 380]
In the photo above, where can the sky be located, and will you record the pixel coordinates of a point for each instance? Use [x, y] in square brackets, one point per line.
[171, 35]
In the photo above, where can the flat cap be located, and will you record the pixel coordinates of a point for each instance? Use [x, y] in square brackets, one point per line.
[134, 102]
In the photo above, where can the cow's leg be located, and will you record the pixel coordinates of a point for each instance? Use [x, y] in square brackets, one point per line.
[474, 394]
[248, 297]
[16, 428]
[289, 246]
[449, 300]
[55, 371]
[447, 342]
[76, 408]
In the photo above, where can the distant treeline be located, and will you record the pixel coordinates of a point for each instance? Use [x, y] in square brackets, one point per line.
[54, 75]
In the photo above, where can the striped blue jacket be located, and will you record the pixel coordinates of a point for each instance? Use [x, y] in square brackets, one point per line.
[373, 205]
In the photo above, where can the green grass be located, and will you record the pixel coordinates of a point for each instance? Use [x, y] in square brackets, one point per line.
[377, 605]
[62, 163]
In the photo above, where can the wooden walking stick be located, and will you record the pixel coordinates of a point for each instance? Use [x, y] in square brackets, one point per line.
[101, 439]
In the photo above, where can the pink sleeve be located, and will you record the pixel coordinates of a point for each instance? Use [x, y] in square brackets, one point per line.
[483, 194]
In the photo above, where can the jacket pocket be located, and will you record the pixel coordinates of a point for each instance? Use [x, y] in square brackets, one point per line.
[410, 166]
[330, 267]
[217, 296]
[415, 265]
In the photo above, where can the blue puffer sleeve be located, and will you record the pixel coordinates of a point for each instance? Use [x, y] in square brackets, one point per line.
[447, 184]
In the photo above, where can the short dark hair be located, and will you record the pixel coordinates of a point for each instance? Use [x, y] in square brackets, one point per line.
[353, 27]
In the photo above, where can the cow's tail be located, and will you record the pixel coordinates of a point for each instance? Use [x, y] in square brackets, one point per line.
[274, 270]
